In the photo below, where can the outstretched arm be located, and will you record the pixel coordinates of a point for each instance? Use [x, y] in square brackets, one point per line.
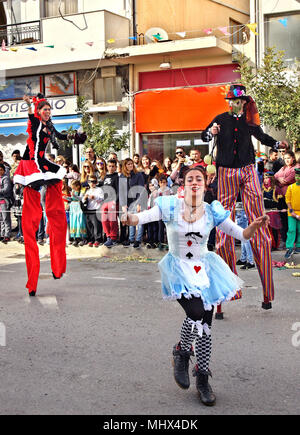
[151, 215]
[232, 229]
[261, 221]
[26, 98]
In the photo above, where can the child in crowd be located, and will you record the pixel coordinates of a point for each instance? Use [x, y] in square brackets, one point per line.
[78, 230]
[270, 203]
[292, 199]
[66, 194]
[246, 259]
[109, 208]
[6, 193]
[92, 200]
[17, 209]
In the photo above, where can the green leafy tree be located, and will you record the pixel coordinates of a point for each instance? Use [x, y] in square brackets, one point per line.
[275, 89]
[102, 136]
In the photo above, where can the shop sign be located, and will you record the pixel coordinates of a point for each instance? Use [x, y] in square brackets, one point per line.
[18, 109]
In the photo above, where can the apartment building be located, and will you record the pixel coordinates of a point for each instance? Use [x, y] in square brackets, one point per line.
[278, 26]
[179, 64]
[157, 67]
[57, 47]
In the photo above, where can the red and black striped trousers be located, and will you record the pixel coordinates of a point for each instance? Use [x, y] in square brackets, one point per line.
[245, 180]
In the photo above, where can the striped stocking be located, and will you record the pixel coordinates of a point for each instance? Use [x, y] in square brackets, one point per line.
[203, 351]
[187, 335]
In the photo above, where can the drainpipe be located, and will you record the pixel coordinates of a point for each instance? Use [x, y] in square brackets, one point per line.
[134, 22]
[132, 149]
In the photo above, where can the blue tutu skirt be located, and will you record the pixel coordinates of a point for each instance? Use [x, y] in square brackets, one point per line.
[216, 285]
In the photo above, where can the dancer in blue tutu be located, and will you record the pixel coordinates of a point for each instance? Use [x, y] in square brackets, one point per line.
[197, 278]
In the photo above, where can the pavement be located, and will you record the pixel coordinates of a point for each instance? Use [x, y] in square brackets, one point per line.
[99, 341]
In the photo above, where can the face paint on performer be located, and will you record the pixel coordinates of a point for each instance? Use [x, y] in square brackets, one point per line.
[45, 113]
[236, 106]
[297, 178]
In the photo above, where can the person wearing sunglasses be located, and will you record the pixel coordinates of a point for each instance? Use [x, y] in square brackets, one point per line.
[87, 170]
[177, 172]
[101, 170]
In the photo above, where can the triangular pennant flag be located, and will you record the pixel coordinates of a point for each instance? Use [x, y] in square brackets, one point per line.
[181, 34]
[13, 49]
[224, 30]
[49, 46]
[111, 41]
[283, 21]
[90, 44]
[252, 27]
[157, 37]
[133, 38]
[208, 31]
[3, 46]
[31, 48]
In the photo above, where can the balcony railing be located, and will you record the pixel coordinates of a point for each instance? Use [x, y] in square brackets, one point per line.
[20, 33]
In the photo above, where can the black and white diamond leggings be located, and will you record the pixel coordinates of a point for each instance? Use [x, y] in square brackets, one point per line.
[197, 326]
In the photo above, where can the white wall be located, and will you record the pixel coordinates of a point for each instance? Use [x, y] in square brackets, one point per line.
[29, 10]
[121, 7]
[70, 44]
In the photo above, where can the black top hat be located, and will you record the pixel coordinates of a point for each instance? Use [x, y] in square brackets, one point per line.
[236, 91]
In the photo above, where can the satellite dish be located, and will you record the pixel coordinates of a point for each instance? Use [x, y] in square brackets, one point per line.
[156, 34]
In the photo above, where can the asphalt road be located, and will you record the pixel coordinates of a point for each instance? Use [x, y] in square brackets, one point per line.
[99, 341]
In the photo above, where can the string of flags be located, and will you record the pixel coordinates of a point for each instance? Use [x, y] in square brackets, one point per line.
[225, 30]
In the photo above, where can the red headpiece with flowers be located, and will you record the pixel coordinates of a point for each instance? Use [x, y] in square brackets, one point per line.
[36, 100]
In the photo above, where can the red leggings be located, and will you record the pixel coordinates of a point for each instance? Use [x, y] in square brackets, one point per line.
[57, 225]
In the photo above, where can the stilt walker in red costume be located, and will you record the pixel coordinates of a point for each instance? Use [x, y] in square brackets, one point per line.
[33, 172]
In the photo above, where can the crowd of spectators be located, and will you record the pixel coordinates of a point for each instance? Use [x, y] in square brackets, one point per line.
[96, 196]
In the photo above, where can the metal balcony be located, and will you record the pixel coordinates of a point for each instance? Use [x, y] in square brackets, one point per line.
[21, 33]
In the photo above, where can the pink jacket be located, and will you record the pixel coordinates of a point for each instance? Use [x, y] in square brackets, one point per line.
[288, 173]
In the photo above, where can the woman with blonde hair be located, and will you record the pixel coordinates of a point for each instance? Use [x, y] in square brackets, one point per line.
[60, 160]
[87, 170]
[101, 170]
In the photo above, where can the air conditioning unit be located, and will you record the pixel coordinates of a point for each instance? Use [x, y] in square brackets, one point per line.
[108, 71]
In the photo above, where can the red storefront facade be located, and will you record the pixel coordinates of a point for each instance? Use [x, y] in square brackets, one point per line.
[173, 106]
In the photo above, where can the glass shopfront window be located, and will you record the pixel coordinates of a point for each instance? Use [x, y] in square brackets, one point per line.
[160, 146]
[283, 33]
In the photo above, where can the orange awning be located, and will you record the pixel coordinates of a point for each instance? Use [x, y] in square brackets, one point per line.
[187, 109]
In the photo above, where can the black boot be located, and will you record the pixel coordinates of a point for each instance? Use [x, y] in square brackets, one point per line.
[205, 391]
[181, 360]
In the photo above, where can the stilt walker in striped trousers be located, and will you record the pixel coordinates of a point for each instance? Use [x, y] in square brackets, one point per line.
[236, 173]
